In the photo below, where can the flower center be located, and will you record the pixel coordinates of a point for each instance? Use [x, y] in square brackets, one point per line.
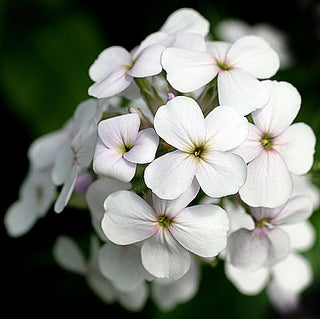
[266, 142]
[164, 221]
[261, 223]
[125, 148]
[223, 65]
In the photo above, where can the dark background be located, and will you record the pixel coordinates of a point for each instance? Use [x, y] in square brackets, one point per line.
[46, 48]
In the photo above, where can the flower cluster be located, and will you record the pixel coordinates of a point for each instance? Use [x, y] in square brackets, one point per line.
[186, 153]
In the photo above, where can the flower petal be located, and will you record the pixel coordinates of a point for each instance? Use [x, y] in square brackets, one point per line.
[281, 110]
[226, 128]
[297, 146]
[201, 229]
[171, 174]
[221, 174]
[181, 123]
[188, 70]
[110, 163]
[120, 130]
[255, 56]
[241, 90]
[268, 181]
[128, 218]
[122, 265]
[107, 61]
[164, 257]
[145, 147]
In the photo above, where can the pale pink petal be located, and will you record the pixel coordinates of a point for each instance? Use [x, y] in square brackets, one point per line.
[255, 56]
[221, 174]
[281, 110]
[110, 163]
[260, 213]
[120, 130]
[148, 63]
[145, 147]
[181, 123]
[268, 181]
[201, 229]
[297, 147]
[241, 90]
[163, 257]
[128, 218]
[188, 70]
[252, 146]
[226, 128]
[186, 20]
[171, 174]
[171, 208]
[248, 250]
[247, 282]
[109, 60]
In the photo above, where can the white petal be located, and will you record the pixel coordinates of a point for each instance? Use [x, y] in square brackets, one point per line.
[247, 282]
[188, 70]
[241, 90]
[20, 218]
[279, 246]
[111, 163]
[164, 257]
[148, 63]
[135, 299]
[114, 83]
[191, 41]
[67, 189]
[268, 181]
[297, 209]
[225, 128]
[297, 146]
[247, 250]
[107, 61]
[221, 174]
[171, 208]
[181, 123]
[122, 265]
[218, 49]
[293, 274]
[171, 174]
[201, 229]
[68, 255]
[145, 147]
[119, 130]
[252, 146]
[231, 29]
[302, 235]
[186, 20]
[128, 218]
[254, 55]
[281, 110]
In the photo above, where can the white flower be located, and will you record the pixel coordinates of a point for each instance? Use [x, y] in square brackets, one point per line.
[168, 230]
[121, 147]
[97, 193]
[36, 196]
[233, 29]
[77, 152]
[267, 244]
[168, 293]
[202, 145]
[68, 255]
[238, 66]
[275, 148]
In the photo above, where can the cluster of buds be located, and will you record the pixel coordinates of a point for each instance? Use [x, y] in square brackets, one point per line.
[181, 119]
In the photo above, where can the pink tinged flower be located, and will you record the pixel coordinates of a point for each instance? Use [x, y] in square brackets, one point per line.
[202, 150]
[115, 68]
[237, 67]
[121, 147]
[275, 148]
[168, 231]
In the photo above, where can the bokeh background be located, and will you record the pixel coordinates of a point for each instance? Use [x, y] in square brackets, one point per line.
[46, 48]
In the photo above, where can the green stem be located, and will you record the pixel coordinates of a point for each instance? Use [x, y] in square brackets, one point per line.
[208, 99]
[149, 94]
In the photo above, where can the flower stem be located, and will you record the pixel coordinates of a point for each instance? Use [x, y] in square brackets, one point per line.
[208, 99]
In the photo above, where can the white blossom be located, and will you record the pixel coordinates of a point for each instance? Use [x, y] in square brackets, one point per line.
[202, 145]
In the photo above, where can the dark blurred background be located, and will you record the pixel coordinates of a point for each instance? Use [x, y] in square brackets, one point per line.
[46, 48]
